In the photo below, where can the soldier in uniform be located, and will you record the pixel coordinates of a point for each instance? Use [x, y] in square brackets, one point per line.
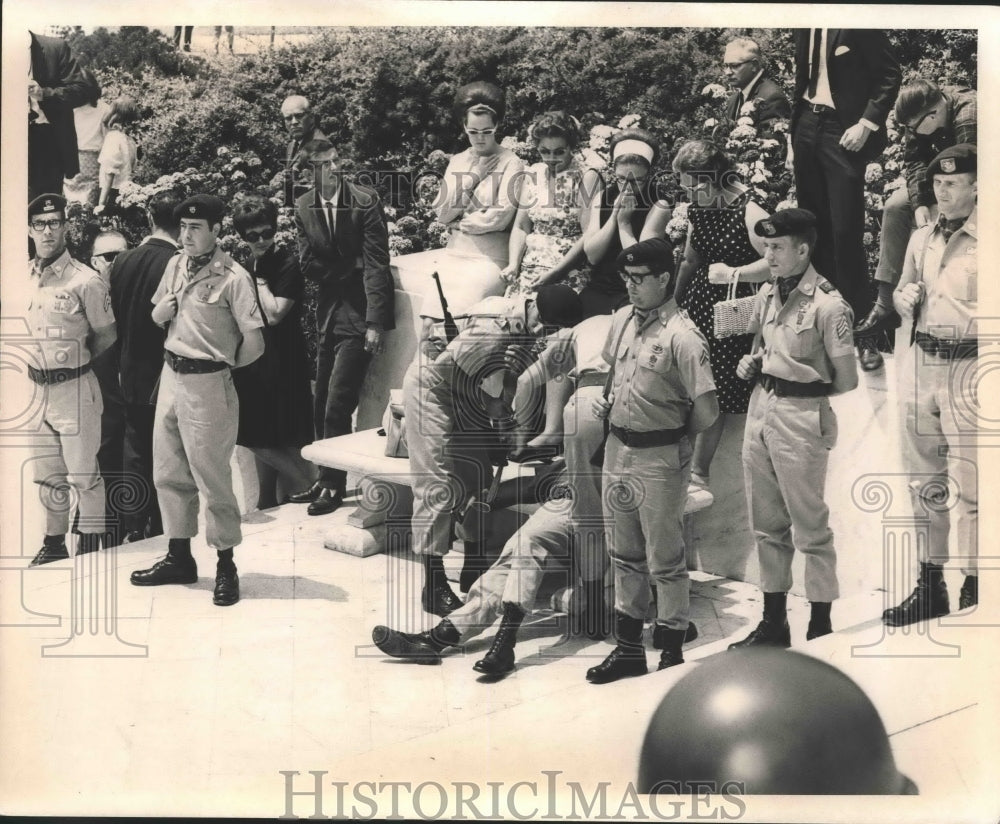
[662, 394]
[937, 290]
[71, 319]
[206, 300]
[449, 430]
[807, 355]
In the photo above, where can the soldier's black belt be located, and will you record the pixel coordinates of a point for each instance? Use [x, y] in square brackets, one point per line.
[592, 379]
[948, 349]
[192, 366]
[794, 389]
[656, 437]
[45, 377]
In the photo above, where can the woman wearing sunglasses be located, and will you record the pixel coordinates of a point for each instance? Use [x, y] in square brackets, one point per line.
[479, 192]
[275, 399]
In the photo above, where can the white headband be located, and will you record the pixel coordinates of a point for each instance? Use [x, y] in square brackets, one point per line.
[633, 147]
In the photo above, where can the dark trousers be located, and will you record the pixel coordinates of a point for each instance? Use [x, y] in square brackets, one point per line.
[830, 183]
[45, 165]
[341, 365]
[138, 464]
[187, 36]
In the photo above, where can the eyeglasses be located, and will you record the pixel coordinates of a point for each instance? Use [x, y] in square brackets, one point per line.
[109, 257]
[734, 66]
[636, 279]
[42, 225]
[483, 132]
[253, 237]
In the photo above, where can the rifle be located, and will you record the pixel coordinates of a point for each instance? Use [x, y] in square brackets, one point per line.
[450, 327]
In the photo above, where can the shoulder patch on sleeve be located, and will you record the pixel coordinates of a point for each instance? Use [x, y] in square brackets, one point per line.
[826, 286]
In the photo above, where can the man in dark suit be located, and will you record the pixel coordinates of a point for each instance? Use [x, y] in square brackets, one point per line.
[56, 85]
[846, 81]
[301, 125]
[344, 247]
[134, 277]
[743, 67]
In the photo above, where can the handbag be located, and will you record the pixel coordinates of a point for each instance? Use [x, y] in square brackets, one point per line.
[597, 459]
[262, 374]
[394, 424]
[732, 316]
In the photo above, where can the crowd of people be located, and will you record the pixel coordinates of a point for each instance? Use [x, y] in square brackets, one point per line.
[626, 371]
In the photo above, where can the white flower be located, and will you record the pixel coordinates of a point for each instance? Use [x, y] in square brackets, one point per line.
[629, 121]
[711, 123]
[769, 143]
[743, 120]
[743, 132]
[872, 172]
[681, 210]
[748, 108]
[222, 151]
[715, 91]
[785, 204]
[509, 142]
[759, 176]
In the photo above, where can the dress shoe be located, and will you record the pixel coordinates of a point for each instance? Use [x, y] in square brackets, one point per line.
[51, 551]
[879, 319]
[500, 658]
[769, 633]
[968, 596]
[326, 502]
[421, 647]
[307, 496]
[628, 658]
[168, 570]
[227, 585]
[869, 358]
[929, 599]
[532, 454]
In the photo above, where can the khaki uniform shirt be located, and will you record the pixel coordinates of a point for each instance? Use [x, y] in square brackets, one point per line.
[215, 308]
[68, 302]
[660, 368]
[803, 334]
[949, 272]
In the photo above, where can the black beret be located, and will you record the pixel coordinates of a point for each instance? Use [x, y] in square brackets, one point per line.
[786, 222]
[201, 207]
[657, 253]
[953, 161]
[44, 204]
[558, 305]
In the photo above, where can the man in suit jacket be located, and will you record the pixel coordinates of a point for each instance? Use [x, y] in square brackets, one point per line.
[846, 81]
[743, 67]
[301, 125]
[134, 277]
[344, 247]
[56, 85]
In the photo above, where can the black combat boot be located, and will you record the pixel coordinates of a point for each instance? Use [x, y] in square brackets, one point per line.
[474, 564]
[928, 600]
[659, 635]
[773, 630]
[500, 658]
[819, 620]
[437, 596]
[968, 596]
[596, 617]
[227, 582]
[673, 640]
[626, 659]
[421, 647]
[177, 567]
[53, 549]
[88, 542]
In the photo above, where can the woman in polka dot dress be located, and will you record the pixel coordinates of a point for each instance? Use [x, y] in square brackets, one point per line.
[721, 244]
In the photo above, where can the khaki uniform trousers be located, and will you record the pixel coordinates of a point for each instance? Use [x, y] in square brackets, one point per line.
[583, 435]
[939, 445]
[67, 460]
[786, 448]
[645, 491]
[194, 435]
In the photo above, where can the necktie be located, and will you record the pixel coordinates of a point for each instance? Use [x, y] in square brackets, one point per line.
[738, 104]
[786, 285]
[814, 63]
[949, 227]
[331, 224]
[195, 263]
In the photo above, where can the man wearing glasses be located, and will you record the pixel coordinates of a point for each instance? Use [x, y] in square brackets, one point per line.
[662, 394]
[933, 119]
[743, 67]
[71, 320]
[300, 122]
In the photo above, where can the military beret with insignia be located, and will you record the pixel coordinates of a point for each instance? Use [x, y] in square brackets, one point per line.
[46, 204]
[201, 207]
[657, 253]
[786, 222]
[954, 160]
